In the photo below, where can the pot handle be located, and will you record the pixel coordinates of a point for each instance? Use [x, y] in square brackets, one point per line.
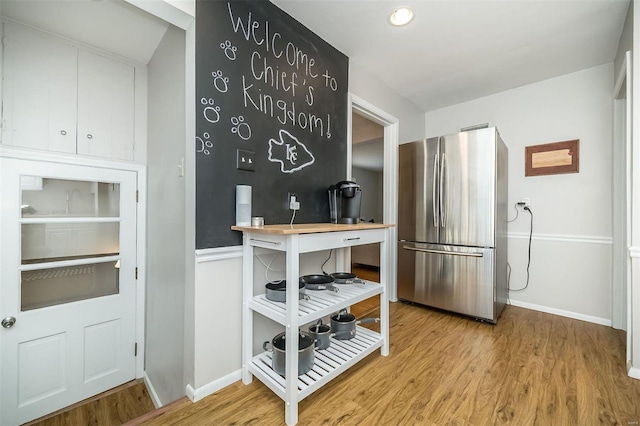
[366, 320]
[333, 288]
[342, 311]
[305, 297]
[264, 346]
[351, 333]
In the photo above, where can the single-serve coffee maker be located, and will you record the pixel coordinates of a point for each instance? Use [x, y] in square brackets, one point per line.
[344, 202]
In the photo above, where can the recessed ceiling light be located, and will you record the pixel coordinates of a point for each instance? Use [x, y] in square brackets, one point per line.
[401, 16]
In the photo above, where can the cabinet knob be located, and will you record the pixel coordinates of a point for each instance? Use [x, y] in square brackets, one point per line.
[63, 132]
[89, 136]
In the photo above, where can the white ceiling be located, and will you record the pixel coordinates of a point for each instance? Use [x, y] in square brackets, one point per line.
[457, 50]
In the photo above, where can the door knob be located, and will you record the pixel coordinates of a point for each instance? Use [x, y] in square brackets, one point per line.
[8, 322]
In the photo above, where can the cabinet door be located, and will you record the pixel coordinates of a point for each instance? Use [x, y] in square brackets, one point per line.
[39, 91]
[105, 107]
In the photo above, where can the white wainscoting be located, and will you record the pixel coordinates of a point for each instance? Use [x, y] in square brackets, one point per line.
[570, 275]
[220, 253]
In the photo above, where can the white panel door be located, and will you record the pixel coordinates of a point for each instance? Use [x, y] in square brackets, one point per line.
[39, 91]
[105, 107]
[69, 292]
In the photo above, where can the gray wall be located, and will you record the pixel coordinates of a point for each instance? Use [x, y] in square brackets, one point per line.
[371, 89]
[371, 183]
[165, 311]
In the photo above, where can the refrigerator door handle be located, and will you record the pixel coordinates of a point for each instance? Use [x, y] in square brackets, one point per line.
[443, 212]
[436, 166]
[453, 253]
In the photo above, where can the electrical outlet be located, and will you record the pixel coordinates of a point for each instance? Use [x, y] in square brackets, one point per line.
[293, 202]
[525, 202]
[246, 160]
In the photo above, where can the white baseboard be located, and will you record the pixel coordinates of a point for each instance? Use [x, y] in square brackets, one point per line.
[632, 371]
[562, 313]
[196, 395]
[152, 392]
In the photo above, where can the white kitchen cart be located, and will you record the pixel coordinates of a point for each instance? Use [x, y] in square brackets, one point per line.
[342, 354]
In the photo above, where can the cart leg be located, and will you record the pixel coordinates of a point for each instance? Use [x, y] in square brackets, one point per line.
[247, 314]
[384, 296]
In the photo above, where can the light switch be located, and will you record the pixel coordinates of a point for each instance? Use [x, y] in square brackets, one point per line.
[246, 160]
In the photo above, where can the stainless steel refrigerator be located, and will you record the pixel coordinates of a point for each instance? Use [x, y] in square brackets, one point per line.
[452, 223]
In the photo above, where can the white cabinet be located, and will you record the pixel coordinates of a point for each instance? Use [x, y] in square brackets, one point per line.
[59, 98]
[105, 107]
[39, 91]
[342, 354]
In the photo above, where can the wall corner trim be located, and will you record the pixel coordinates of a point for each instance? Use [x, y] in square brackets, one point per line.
[220, 253]
[196, 395]
[634, 251]
[562, 313]
[152, 391]
[632, 371]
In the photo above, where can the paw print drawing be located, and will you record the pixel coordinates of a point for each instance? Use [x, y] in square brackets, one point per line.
[203, 144]
[229, 50]
[220, 82]
[240, 127]
[211, 113]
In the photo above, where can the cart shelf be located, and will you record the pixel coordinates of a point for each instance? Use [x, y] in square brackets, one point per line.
[320, 304]
[328, 363]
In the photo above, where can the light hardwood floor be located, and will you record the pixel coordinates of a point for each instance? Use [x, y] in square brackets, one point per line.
[531, 368]
[113, 407]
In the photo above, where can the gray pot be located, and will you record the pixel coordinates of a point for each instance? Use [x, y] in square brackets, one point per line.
[322, 334]
[279, 354]
[344, 324]
[277, 291]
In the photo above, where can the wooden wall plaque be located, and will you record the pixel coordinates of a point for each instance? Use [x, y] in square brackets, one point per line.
[552, 158]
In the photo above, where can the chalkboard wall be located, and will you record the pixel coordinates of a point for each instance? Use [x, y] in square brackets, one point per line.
[273, 93]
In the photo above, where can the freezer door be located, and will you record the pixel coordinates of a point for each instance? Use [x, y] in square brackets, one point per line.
[467, 188]
[418, 207]
[457, 279]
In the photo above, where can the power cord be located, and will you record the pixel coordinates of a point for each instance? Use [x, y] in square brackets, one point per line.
[325, 262]
[269, 268]
[515, 206]
[529, 257]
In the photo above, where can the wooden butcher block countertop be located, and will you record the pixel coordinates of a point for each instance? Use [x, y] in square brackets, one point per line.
[309, 228]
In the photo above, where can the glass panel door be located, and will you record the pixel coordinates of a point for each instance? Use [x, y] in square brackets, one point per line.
[70, 234]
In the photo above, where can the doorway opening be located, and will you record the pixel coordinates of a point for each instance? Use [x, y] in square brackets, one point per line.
[373, 160]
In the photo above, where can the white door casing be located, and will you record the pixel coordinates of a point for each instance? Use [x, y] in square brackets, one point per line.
[58, 355]
[389, 185]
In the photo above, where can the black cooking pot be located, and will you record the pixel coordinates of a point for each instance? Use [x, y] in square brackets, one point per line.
[318, 282]
[344, 324]
[277, 291]
[279, 353]
[322, 333]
